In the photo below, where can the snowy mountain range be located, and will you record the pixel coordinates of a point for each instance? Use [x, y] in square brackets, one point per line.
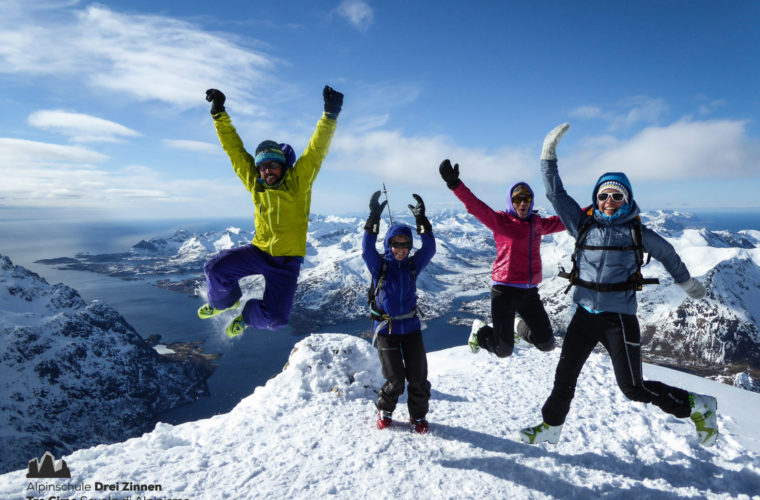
[310, 433]
[76, 374]
[718, 336]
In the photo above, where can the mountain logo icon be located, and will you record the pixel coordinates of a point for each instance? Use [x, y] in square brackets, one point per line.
[47, 468]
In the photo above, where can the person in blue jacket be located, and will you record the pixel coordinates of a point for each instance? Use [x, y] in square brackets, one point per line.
[395, 321]
[606, 274]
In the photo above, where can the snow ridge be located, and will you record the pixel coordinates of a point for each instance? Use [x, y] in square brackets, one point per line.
[310, 433]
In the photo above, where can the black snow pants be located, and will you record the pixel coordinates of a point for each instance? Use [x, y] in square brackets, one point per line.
[505, 302]
[403, 358]
[620, 335]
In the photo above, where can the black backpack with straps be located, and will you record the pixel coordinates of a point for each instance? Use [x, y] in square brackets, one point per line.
[634, 282]
[375, 311]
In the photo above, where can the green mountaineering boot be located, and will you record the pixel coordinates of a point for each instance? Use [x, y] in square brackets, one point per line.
[522, 332]
[207, 311]
[704, 415]
[472, 342]
[236, 327]
[541, 433]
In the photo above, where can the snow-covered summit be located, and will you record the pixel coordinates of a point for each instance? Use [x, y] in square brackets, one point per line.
[310, 433]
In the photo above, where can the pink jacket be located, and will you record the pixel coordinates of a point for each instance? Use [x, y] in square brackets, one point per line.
[518, 242]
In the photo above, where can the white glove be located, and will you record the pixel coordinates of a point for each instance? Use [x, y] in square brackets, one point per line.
[693, 288]
[549, 152]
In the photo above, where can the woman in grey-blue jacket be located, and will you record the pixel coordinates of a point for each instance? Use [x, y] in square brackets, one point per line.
[606, 275]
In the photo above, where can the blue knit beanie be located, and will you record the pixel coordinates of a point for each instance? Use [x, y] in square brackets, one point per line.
[269, 151]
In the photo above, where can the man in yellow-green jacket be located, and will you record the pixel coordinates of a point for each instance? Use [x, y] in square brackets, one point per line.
[280, 187]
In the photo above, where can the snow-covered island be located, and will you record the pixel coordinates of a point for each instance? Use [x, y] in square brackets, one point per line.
[76, 374]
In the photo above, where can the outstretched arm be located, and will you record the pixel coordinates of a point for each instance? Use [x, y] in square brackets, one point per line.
[664, 252]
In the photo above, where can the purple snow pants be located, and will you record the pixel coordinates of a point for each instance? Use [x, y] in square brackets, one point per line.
[280, 277]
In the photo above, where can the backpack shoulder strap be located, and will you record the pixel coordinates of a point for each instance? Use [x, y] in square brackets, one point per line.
[585, 225]
[379, 281]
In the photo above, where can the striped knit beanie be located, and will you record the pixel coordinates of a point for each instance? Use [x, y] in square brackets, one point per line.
[521, 190]
[269, 151]
[617, 186]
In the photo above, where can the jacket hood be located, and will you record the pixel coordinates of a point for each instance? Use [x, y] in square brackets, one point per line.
[629, 208]
[290, 157]
[395, 230]
[511, 208]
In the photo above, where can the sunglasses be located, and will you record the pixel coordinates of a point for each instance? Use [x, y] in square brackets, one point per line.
[617, 197]
[401, 244]
[263, 167]
[521, 199]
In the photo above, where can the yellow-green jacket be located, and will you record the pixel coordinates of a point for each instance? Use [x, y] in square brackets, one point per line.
[282, 211]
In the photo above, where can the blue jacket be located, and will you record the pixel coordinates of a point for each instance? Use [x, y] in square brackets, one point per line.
[399, 295]
[608, 266]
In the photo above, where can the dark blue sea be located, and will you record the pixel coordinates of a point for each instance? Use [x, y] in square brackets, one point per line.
[246, 362]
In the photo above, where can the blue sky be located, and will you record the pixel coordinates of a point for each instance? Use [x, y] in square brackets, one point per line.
[104, 113]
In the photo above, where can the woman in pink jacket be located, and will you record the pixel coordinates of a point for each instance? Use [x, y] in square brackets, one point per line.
[516, 270]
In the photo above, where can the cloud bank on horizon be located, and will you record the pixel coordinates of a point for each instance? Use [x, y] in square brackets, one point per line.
[105, 105]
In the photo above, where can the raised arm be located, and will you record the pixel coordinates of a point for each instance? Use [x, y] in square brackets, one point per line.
[242, 161]
[485, 214]
[423, 256]
[371, 256]
[566, 207]
[308, 165]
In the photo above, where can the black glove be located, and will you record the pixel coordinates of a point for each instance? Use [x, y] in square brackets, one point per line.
[450, 174]
[216, 98]
[375, 211]
[422, 222]
[333, 101]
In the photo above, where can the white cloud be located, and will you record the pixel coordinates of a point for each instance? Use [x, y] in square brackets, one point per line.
[716, 149]
[132, 191]
[147, 57]
[414, 161]
[80, 127]
[358, 13]
[21, 152]
[370, 122]
[586, 112]
[192, 146]
[711, 107]
[631, 111]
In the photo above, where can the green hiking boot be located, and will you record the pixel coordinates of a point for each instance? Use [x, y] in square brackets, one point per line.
[522, 332]
[472, 342]
[207, 311]
[704, 415]
[236, 327]
[542, 433]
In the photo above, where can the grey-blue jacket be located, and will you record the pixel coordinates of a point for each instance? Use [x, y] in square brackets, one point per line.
[608, 266]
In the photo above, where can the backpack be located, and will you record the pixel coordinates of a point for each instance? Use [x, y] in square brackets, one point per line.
[375, 312]
[634, 282]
